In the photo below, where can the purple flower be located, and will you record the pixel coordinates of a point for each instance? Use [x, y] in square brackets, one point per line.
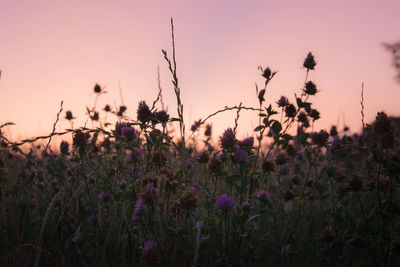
[263, 195]
[118, 128]
[285, 169]
[247, 142]
[300, 155]
[282, 102]
[139, 211]
[129, 133]
[228, 139]
[64, 147]
[93, 219]
[105, 195]
[240, 155]
[225, 203]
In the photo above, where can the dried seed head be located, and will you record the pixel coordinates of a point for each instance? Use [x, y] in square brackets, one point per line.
[311, 88]
[267, 73]
[290, 111]
[97, 88]
[302, 117]
[107, 108]
[162, 116]
[208, 130]
[282, 102]
[314, 114]
[68, 115]
[309, 62]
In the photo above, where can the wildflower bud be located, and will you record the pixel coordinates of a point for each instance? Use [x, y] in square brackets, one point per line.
[267, 73]
[327, 235]
[311, 88]
[290, 111]
[143, 112]
[225, 203]
[95, 116]
[162, 116]
[64, 147]
[228, 139]
[207, 132]
[121, 111]
[215, 166]
[204, 157]
[68, 115]
[302, 117]
[150, 255]
[282, 102]
[188, 200]
[97, 88]
[355, 183]
[268, 166]
[107, 108]
[281, 158]
[333, 131]
[314, 114]
[309, 62]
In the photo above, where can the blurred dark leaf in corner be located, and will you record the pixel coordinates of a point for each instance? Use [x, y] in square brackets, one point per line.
[394, 48]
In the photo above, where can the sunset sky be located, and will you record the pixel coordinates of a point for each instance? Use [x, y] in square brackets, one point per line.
[57, 50]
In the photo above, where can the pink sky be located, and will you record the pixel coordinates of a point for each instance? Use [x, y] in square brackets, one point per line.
[57, 50]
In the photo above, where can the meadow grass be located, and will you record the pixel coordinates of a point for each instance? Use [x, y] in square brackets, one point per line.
[134, 193]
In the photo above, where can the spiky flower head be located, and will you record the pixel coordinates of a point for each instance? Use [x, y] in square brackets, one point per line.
[64, 147]
[311, 88]
[263, 195]
[162, 116]
[225, 203]
[143, 112]
[68, 115]
[129, 133]
[247, 142]
[319, 138]
[97, 88]
[267, 73]
[309, 62]
[290, 111]
[314, 114]
[228, 139]
[282, 102]
[208, 130]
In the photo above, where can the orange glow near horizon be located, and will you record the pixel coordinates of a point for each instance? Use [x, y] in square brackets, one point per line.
[57, 50]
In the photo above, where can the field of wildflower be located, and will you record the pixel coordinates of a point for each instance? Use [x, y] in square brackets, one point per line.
[145, 192]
